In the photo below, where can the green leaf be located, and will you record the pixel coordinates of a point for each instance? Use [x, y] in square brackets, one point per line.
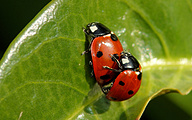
[43, 75]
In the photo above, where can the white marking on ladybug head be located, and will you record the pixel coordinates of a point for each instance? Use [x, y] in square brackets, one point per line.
[124, 61]
[93, 28]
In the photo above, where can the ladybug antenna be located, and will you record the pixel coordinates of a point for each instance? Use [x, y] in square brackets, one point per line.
[84, 30]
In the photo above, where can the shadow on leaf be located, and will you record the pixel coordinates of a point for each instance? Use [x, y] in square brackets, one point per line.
[100, 106]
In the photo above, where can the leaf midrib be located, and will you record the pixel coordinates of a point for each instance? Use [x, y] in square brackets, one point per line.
[29, 83]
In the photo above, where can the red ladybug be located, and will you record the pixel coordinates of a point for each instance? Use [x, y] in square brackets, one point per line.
[118, 73]
[128, 82]
[103, 42]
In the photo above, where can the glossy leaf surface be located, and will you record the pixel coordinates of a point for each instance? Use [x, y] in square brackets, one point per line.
[44, 76]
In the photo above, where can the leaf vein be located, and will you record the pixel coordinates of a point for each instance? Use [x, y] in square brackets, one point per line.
[22, 86]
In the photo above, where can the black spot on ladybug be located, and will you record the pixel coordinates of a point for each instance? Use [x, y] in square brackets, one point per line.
[139, 76]
[121, 83]
[114, 37]
[99, 54]
[104, 77]
[113, 98]
[130, 92]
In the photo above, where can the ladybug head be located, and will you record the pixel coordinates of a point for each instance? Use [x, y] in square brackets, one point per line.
[96, 29]
[128, 61]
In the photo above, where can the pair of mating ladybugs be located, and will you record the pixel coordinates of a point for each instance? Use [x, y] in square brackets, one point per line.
[117, 72]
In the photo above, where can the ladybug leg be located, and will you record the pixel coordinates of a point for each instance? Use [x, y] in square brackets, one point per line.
[107, 87]
[90, 42]
[116, 60]
[84, 52]
[114, 70]
[92, 73]
[90, 63]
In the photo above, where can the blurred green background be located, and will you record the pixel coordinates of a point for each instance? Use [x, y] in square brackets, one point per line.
[15, 15]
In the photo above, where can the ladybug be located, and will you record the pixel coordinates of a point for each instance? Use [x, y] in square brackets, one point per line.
[128, 82]
[117, 72]
[103, 42]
